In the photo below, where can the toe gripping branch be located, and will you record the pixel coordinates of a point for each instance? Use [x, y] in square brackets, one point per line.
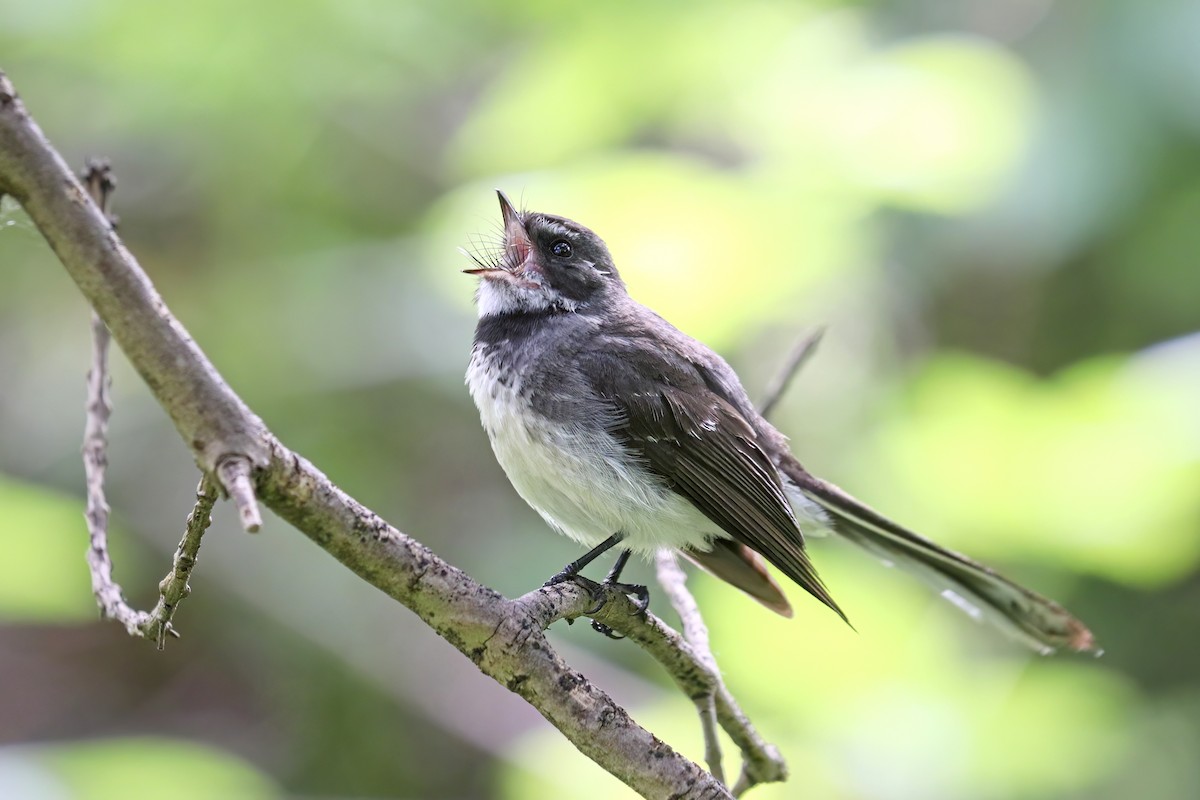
[601, 591]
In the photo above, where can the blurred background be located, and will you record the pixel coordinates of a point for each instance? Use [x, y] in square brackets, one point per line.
[992, 206]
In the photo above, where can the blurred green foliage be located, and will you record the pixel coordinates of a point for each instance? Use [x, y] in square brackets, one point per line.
[119, 768]
[1099, 450]
[990, 205]
[42, 578]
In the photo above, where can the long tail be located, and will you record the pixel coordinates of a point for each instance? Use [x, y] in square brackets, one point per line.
[976, 589]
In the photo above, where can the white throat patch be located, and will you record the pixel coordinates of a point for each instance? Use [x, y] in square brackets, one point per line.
[496, 297]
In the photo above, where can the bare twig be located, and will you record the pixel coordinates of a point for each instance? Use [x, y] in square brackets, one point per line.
[174, 587]
[234, 474]
[95, 462]
[674, 582]
[503, 637]
[800, 354]
[97, 177]
[761, 761]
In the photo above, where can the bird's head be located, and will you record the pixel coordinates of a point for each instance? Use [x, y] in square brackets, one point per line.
[546, 263]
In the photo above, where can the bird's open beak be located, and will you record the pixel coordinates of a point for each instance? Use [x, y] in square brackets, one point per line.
[517, 244]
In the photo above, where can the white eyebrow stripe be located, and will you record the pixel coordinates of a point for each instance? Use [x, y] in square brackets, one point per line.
[558, 229]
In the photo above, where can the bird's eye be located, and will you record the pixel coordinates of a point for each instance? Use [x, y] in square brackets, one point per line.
[561, 248]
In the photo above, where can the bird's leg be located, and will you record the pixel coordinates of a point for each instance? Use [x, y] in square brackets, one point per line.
[618, 567]
[613, 580]
[571, 571]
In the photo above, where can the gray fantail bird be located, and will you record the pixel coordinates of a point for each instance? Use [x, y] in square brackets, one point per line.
[619, 429]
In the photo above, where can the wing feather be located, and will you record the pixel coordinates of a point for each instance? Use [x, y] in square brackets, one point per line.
[706, 451]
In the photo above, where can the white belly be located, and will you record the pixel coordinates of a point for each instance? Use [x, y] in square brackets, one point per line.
[580, 479]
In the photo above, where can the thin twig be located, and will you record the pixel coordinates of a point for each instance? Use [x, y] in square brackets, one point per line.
[98, 180]
[174, 587]
[95, 461]
[234, 474]
[674, 582]
[97, 177]
[800, 354]
[761, 761]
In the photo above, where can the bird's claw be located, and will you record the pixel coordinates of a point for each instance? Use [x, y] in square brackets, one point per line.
[639, 594]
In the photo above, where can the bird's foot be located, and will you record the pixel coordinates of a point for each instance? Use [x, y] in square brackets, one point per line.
[641, 601]
[596, 590]
[600, 593]
[564, 576]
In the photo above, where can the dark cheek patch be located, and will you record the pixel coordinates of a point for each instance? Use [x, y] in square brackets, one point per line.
[574, 283]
